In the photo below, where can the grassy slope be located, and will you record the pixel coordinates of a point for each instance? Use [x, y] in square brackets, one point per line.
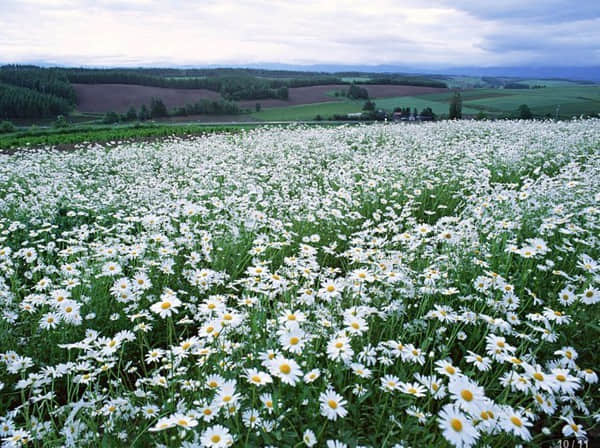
[573, 100]
[308, 111]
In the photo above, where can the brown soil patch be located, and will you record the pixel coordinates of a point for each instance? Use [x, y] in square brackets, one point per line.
[318, 94]
[119, 97]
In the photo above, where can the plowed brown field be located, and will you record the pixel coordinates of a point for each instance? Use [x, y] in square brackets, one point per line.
[119, 97]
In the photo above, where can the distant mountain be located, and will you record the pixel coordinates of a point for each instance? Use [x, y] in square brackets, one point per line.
[575, 73]
[591, 73]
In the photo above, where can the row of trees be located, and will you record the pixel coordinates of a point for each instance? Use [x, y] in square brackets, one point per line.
[20, 102]
[157, 109]
[48, 81]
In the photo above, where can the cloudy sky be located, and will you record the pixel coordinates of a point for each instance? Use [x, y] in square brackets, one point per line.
[367, 32]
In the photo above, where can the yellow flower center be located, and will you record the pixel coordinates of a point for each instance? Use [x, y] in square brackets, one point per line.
[165, 305]
[451, 370]
[339, 345]
[285, 369]
[560, 377]
[516, 421]
[538, 376]
[215, 439]
[456, 424]
[294, 340]
[467, 395]
[330, 288]
[332, 404]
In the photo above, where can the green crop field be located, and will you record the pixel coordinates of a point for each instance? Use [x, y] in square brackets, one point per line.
[573, 100]
[308, 111]
[420, 102]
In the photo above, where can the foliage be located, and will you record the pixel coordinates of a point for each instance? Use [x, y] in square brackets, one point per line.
[157, 108]
[61, 122]
[369, 105]
[357, 285]
[524, 112]
[455, 109]
[357, 93]
[6, 127]
[21, 102]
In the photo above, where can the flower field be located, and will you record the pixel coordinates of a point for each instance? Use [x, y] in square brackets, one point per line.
[366, 286]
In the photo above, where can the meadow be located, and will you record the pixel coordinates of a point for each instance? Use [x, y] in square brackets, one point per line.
[351, 286]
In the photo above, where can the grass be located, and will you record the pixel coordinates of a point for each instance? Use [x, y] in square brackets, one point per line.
[573, 100]
[420, 102]
[107, 133]
[308, 111]
[351, 196]
[104, 133]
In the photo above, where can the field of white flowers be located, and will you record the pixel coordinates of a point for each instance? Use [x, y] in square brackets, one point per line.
[369, 286]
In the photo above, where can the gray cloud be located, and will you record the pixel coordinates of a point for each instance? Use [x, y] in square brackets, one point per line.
[442, 32]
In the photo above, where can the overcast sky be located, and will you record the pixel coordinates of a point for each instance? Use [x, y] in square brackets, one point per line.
[202, 32]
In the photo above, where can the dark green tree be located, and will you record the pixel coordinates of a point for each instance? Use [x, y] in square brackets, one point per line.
[455, 110]
[144, 114]
[7, 126]
[131, 114]
[357, 93]
[427, 114]
[61, 122]
[524, 112]
[257, 107]
[369, 105]
[157, 108]
[110, 118]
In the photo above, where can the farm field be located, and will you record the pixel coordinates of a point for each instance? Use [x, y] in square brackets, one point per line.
[308, 111]
[119, 97]
[377, 286]
[573, 100]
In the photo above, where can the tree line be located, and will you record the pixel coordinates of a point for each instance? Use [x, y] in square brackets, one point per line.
[48, 81]
[157, 109]
[34, 92]
[21, 102]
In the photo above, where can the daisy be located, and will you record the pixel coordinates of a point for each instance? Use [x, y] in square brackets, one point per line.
[332, 405]
[162, 424]
[267, 401]
[312, 376]
[456, 428]
[339, 349]
[258, 378]
[564, 382]
[446, 368]
[390, 383]
[184, 421]
[208, 411]
[216, 436]
[466, 394]
[572, 429]
[167, 306]
[287, 370]
[482, 363]
[515, 422]
[414, 389]
[293, 340]
[309, 438]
